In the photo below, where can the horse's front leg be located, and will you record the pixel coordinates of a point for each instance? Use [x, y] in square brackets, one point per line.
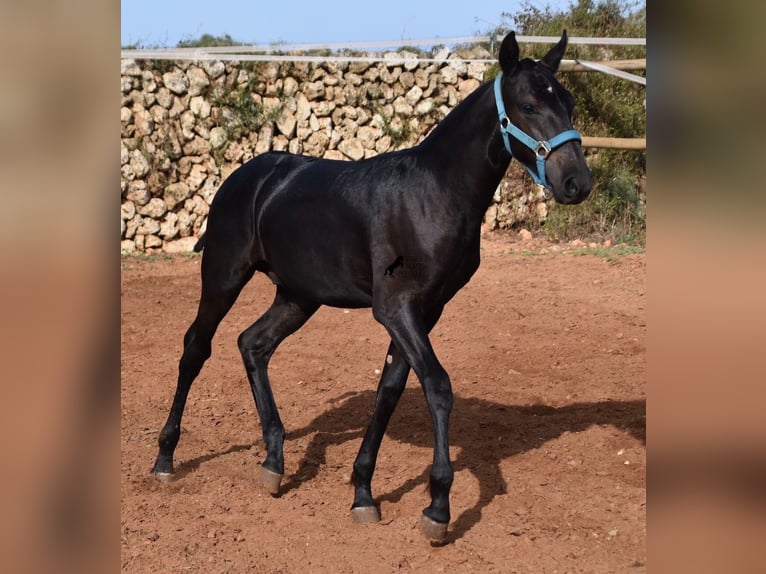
[390, 388]
[409, 332]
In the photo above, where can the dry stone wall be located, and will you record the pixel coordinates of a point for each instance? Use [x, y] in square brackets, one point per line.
[185, 126]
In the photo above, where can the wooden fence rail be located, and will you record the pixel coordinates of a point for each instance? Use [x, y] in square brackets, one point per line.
[614, 143]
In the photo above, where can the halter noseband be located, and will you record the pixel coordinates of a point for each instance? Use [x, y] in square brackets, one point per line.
[541, 148]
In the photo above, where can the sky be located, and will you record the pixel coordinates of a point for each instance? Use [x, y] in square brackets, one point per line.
[163, 23]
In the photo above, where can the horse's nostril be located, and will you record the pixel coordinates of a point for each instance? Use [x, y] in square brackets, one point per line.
[570, 187]
[575, 189]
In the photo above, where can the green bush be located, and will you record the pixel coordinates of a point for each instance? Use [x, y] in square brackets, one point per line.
[208, 41]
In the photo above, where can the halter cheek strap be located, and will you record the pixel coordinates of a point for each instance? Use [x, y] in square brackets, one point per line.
[541, 148]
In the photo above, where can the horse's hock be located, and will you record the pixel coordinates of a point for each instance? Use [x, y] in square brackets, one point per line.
[185, 126]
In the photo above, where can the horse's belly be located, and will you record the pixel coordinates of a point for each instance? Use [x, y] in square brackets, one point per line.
[328, 265]
[325, 279]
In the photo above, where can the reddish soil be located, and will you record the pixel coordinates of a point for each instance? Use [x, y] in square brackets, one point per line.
[546, 350]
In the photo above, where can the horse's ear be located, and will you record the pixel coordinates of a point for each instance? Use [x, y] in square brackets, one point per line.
[509, 54]
[552, 59]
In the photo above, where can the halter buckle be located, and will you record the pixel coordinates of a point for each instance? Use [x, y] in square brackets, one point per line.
[542, 149]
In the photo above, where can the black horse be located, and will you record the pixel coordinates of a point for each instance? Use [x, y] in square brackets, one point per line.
[398, 232]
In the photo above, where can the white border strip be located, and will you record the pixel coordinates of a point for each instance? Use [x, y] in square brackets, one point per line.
[394, 58]
[240, 51]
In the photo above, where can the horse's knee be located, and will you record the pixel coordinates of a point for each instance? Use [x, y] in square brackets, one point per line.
[197, 341]
[443, 401]
[196, 352]
[254, 347]
[438, 390]
[189, 336]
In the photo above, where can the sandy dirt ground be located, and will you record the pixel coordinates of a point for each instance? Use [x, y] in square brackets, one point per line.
[546, 349]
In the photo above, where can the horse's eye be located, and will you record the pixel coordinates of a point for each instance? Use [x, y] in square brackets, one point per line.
[527, 108]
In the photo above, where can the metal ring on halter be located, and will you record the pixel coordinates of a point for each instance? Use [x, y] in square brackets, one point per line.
[543, 149]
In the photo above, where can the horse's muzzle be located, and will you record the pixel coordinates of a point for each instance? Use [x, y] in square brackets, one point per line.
[576, 188]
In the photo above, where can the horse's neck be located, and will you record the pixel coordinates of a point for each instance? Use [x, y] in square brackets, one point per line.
[467, 147]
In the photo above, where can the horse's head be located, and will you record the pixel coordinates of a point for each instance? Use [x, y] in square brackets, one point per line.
[536, 120]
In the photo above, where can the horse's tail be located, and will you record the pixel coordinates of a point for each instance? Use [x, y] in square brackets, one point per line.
[200, 244]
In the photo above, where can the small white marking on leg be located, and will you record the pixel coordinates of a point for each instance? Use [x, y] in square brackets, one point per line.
[389, 359]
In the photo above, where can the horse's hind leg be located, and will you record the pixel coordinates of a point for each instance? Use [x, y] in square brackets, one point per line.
[257, 343]
[222, 281]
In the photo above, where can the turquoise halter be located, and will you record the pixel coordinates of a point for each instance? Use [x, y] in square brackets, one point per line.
[541, 148]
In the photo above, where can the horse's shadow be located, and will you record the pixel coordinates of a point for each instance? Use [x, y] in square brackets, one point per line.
[192, 465]
[486, 432]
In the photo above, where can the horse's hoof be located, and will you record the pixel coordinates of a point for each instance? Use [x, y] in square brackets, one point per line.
[270, 480]
[436, 531]
[164, 476]
[365, 514]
